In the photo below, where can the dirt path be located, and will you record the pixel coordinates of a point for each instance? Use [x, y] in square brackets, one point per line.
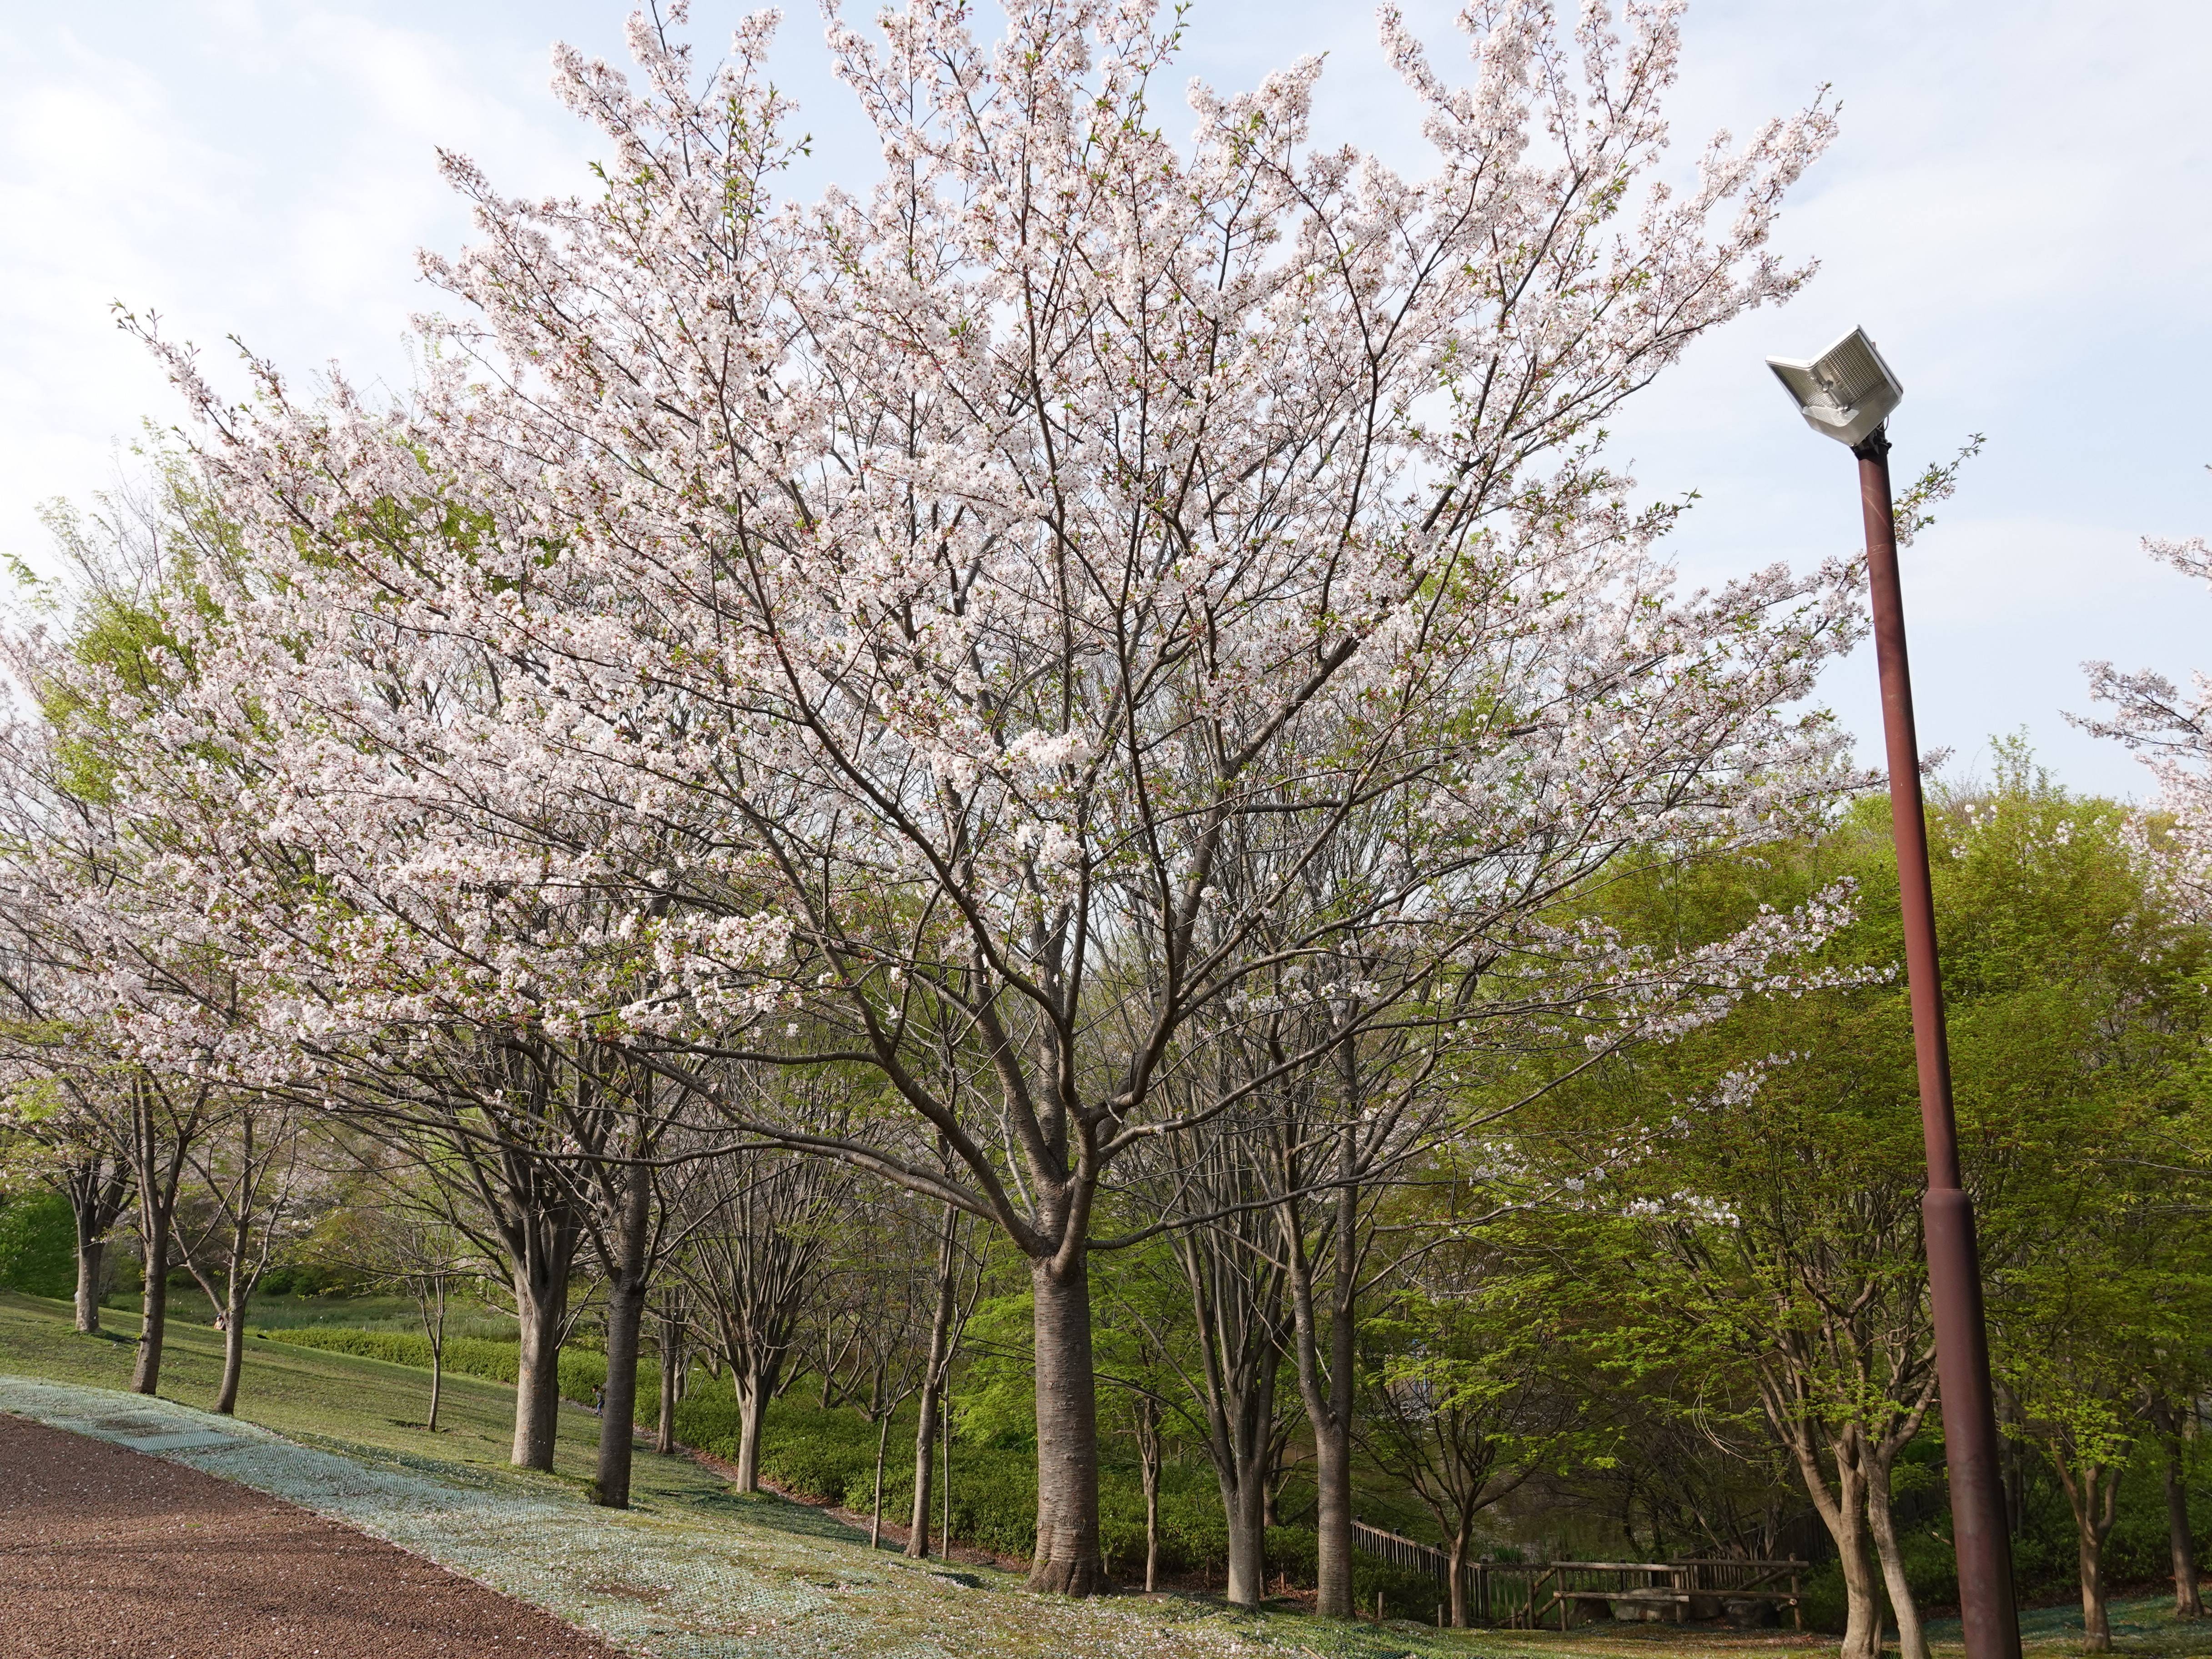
[109, 1553]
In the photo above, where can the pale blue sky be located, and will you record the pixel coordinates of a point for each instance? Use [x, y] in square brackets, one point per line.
[2016, 209]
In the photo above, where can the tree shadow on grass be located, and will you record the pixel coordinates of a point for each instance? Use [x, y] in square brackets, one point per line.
[765, 1508]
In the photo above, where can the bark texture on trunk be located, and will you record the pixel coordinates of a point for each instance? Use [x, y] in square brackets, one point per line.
[233, 1362]
[1244, 1506]
[154, 1305]
[91, 1268]
[1068, 1559]
[2093, 1490]
[618, 1406]
[933, 1386]
[2181, 1538]
[1148, 1471]
[672, 1362]
[98, 1187]
[752, 1406]
[2188, 1594]
[1457, 1595]
[155, 1170]
[1325, 1386]
[876, 1520]
[1881, 1520]
[541, 1310]
[627, 1244]
[1844, 1512]
[233, 1330]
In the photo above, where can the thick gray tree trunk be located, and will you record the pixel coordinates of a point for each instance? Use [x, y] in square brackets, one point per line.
[541, 1306]
[1244, 1506]
[2181, 1538]
[628, 1268]
[1327, 1398]
[1844, 1511]
[1881, 1520]
[91, 1268]
[98, 1189]
[618, 1404]
[1068, 1559]
[752, 1407]
[2188, 1594]
[238, 1288]
[152, 1300]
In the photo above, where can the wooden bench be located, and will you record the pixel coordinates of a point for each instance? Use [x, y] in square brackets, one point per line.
[1662, 1596]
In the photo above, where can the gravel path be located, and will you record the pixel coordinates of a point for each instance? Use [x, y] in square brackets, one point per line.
[724, 1577]
[105, 1550]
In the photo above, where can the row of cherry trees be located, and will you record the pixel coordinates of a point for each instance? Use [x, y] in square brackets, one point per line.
[1089, 680]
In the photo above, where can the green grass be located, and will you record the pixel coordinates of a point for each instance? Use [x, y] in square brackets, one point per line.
[467, 1318]
[335, 1400]
[371, 1410]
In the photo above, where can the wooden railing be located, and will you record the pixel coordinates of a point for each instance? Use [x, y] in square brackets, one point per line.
[1521, 1595]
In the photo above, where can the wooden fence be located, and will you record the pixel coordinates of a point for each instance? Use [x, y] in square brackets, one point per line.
[1521, 1595]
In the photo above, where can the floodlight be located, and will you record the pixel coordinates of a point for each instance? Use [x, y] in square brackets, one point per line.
[1845, 393]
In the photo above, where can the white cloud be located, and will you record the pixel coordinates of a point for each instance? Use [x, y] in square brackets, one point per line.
[2011, 208]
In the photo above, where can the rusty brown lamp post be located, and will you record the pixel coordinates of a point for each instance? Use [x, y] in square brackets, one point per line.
[1846, 394]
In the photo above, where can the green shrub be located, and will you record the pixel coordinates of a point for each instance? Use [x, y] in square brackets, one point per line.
[38, 1244]
[306, 1279]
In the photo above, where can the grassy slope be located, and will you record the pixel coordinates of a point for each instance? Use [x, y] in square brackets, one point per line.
[374, 1411]
[334, 1400]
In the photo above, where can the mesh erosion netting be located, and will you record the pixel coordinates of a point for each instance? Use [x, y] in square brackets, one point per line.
[674, 1583]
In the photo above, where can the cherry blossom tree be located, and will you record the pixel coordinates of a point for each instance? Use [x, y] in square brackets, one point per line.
[2171, 727]
[936, 632]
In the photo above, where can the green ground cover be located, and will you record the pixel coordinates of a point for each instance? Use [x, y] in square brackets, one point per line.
[369, 1411]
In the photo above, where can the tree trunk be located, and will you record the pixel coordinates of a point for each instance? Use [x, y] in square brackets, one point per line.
[1148, 1471]
[153, 1302]
[932, 1381]
[618, 1408]
[91, 1265]
[1068, 1559]
[98, 1190]
[1844, 1511]
[1244, 1507]
[627, 1245]
[2096, 1621]
[752, 1403]
[540, 1312]
[2093, 1490]
[2188, 1595]
[1332, 1435]
[876, 1520]
[672, 1361]
[1458, 1569]
[1881, 1519]
[1327, 1401]
[435, 1328]
[239, 1286]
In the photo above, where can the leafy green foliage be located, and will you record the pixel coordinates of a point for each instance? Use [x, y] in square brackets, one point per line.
[38, 1244]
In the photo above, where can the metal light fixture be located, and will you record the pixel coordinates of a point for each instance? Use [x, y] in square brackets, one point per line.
[1845, 393]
